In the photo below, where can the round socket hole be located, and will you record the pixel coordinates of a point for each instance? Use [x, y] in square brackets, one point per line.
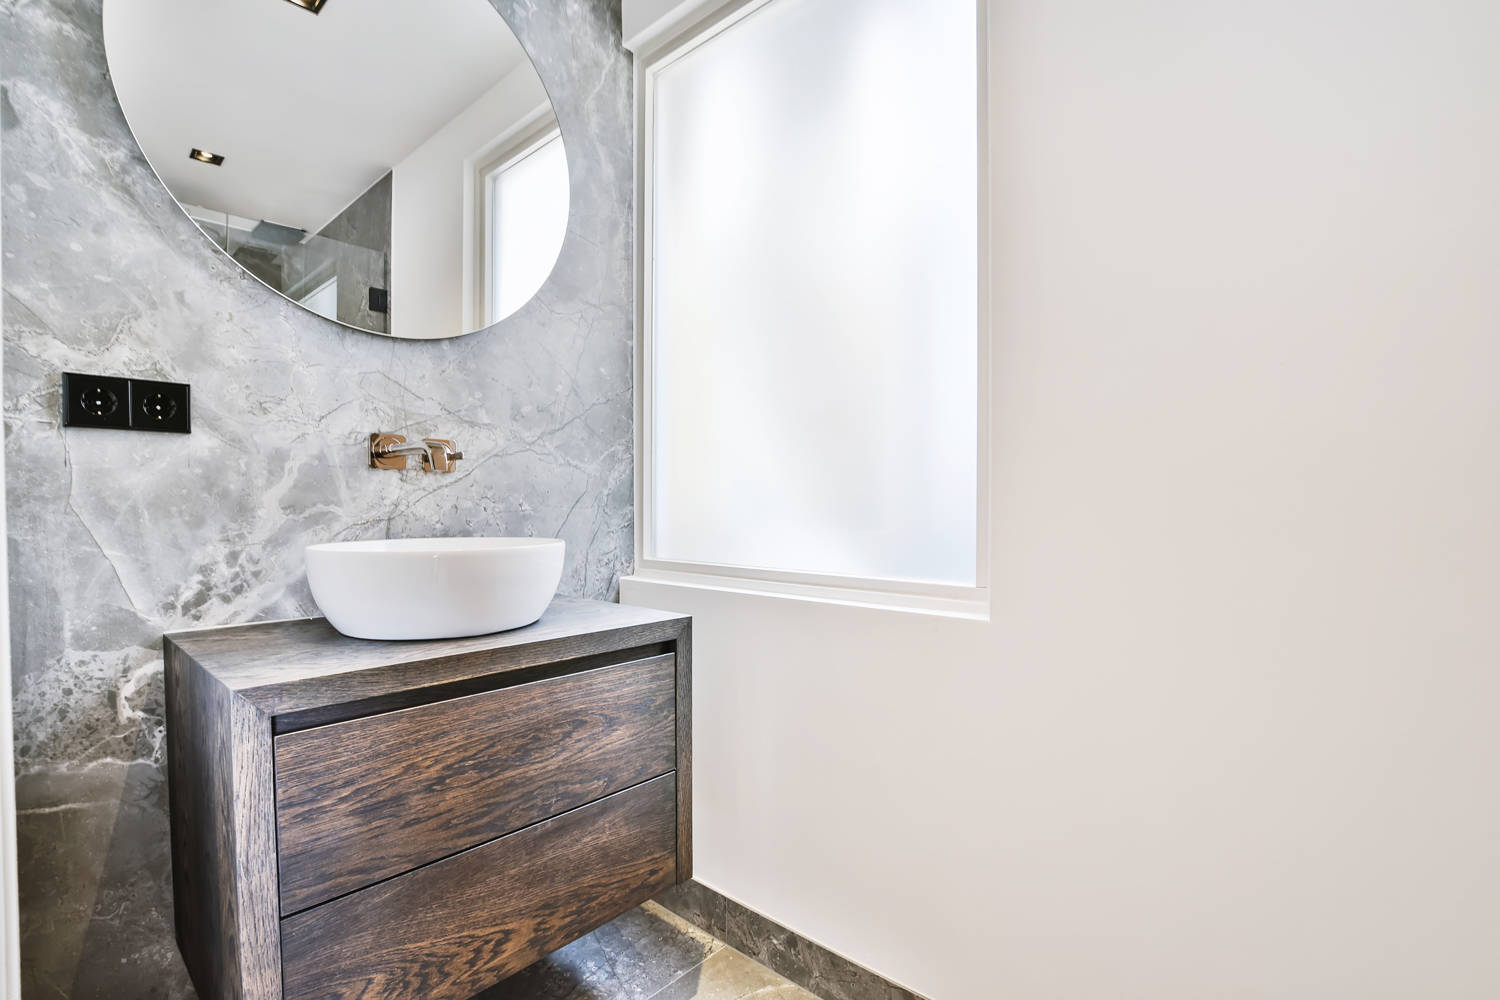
[98, 401]
[159, 406]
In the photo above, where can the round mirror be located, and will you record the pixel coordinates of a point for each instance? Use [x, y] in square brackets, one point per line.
[393, 165]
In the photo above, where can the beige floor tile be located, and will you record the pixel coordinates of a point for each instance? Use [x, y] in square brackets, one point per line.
[728, 975]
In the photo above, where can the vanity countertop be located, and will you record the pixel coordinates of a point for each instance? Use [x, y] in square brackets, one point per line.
[305, 664]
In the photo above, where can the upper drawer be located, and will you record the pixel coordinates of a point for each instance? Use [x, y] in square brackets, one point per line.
[360, 801]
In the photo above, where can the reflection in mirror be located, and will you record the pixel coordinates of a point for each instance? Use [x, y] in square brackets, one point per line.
[392, 165]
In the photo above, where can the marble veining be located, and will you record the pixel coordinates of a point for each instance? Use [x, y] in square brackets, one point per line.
[116, 538]
[649, 953]
[806, 963]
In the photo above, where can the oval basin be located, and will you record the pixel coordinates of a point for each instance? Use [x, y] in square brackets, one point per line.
[434, 588]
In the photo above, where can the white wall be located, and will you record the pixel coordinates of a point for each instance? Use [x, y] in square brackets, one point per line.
[428, 210]
[1232, 729]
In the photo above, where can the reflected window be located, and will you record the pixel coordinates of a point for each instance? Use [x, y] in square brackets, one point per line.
[525, 208]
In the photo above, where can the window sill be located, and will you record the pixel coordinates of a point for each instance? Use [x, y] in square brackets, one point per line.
[974, 606]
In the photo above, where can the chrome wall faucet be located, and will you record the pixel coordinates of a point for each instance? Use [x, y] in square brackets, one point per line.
[391, 451]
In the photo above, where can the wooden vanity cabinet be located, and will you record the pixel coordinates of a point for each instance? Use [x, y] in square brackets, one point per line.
[409, 820]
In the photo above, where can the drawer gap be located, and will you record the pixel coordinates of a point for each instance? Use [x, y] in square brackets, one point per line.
[325, 715]
[473, 847]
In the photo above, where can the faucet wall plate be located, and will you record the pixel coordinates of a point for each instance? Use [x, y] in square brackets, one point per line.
[396, 463]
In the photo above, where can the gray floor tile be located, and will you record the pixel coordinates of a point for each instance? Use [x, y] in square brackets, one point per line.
[632, 958]
[809, 965]
[729, 975]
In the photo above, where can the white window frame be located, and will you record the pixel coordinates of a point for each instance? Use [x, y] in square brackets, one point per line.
[659, 50]
[515, 143]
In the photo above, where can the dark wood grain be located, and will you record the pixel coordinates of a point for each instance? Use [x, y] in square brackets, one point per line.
[293, 666]
[290, 722]
[223, 836]
[202, 849]
[230, 690]
[446, 931]
[257, 914]
[361, 801]
[685, 753]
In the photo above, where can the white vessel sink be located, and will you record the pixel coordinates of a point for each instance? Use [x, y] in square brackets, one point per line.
[434, 588]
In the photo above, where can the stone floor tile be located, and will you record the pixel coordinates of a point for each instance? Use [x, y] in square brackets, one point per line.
[632, 958]
[729, 975]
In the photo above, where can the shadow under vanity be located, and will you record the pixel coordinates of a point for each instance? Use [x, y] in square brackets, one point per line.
[421, 819]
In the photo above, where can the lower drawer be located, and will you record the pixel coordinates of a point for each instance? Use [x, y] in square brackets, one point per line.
[458, 926]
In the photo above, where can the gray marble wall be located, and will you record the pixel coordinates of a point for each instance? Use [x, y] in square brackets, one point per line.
[116, 537]
[366, 221]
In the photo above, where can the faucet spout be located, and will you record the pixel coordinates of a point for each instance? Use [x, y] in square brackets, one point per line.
[393, 451]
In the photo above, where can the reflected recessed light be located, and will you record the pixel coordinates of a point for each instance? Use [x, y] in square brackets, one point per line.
[204, 156]
[313, 5]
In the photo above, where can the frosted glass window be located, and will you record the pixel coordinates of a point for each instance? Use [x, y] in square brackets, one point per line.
[528, 218]
[814, 291]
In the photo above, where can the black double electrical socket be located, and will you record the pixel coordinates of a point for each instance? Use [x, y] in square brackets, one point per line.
[126, 403]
